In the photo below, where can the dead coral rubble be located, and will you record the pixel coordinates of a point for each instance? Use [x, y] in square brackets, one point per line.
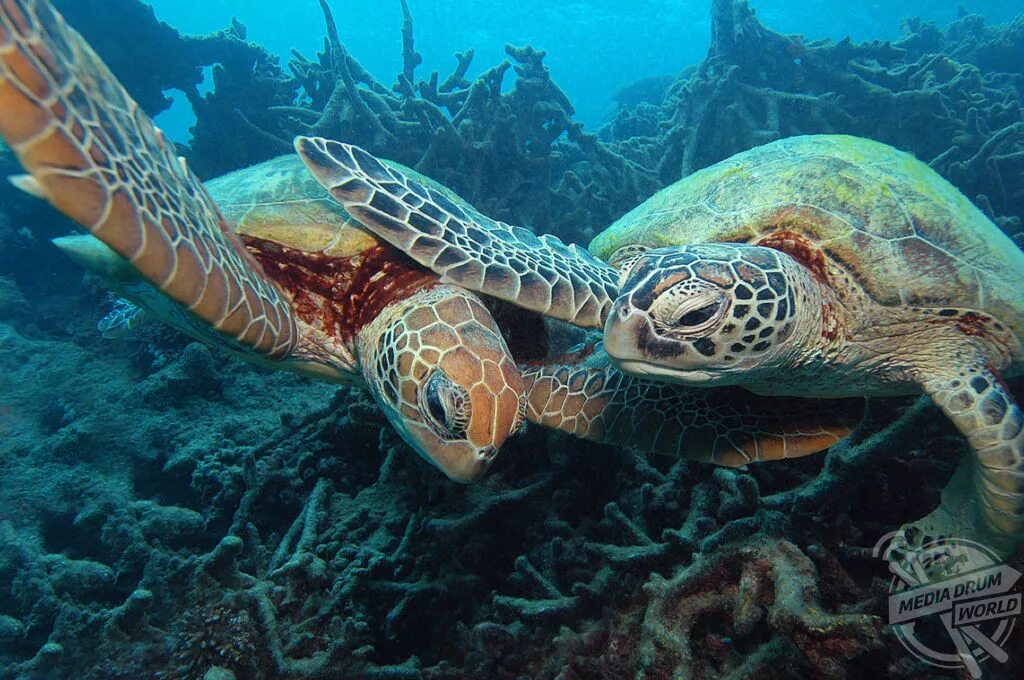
[954, 97]
[517, 154]
[311, 553]
[765, 590]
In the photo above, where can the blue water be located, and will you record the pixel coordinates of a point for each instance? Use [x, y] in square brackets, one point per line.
[594, 48]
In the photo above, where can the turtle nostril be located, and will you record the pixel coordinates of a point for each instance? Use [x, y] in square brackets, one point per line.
[623, 311]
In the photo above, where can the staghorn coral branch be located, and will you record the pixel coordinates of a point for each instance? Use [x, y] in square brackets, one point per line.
[410, 57]
[303, 531]
[457, 80]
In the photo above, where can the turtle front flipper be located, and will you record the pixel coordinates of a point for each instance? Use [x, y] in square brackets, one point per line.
[539, 273]
[725, 426]
[97, 157]
[984, 501]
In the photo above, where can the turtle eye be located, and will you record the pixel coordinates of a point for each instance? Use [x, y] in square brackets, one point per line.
[700, 316]
[436, 406]
[446, 405]
[688, 309]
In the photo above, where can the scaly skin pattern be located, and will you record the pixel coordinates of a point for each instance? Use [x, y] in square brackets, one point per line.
[121, 320]
[443, 341]
[97, 158]
[726, 426]
[855, 267]
[835, 266]
[538, 273]
[315, 300]
[901, 233]
[728, 315]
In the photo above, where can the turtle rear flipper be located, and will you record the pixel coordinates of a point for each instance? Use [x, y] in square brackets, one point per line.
[539, 273]
[726, 426]
[98, 158]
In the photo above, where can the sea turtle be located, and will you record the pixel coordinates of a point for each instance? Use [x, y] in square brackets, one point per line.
[299, 287]
[821, 266]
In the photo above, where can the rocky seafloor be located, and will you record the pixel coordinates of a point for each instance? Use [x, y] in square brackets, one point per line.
[168, 512]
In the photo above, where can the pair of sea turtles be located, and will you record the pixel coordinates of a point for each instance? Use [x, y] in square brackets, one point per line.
[821, 266]
[826, 266]
[265, 264]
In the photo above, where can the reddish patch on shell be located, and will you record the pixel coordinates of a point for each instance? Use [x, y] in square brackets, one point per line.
[341, 295]
[972, 324]
[800, 249]
[829, 322]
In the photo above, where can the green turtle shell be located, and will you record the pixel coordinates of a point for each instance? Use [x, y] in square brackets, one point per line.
[280, 201]
[906, 235]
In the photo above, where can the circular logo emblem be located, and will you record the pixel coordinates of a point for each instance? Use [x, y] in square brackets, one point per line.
[952, 602]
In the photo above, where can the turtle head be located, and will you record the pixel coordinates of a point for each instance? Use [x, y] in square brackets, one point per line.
[440, 369]
[710, 314]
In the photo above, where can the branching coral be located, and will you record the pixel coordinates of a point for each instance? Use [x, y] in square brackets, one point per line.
[246, 78]
[516, 154]
[940, 94]
[570, 559]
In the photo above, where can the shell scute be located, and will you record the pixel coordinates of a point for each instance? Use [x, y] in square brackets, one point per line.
[902, 233]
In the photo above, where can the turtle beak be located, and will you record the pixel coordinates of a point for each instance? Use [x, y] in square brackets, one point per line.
[635, 347]
[463, 463]
[625, 326]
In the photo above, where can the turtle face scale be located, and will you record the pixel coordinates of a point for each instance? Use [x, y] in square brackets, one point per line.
[442, 373]
[706, 314]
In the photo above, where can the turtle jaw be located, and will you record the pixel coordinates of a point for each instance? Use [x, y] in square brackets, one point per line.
[460, 461]
[663, 374]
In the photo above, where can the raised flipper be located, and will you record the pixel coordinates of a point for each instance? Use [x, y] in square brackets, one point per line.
[725, 426]
[96, 156]
[985, 499]
[538, 273]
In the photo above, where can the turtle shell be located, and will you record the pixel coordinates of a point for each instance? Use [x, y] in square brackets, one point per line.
[280, 201]
[906, 235]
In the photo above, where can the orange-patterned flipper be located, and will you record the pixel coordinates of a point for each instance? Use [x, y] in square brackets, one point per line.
[725, 426]
[98, 158]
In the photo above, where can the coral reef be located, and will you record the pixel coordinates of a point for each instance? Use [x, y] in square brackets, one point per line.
[516, 154]
[274, 550]
[247, 80]
[952, 97]
[169, 512]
